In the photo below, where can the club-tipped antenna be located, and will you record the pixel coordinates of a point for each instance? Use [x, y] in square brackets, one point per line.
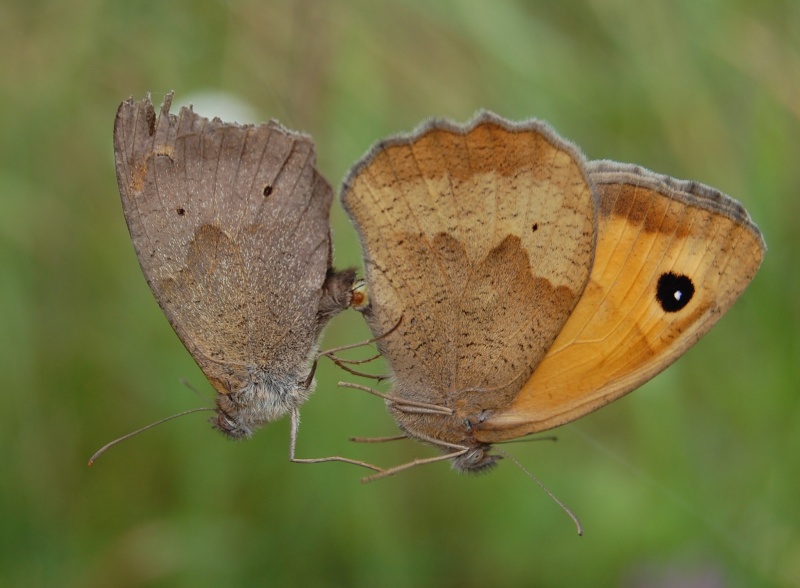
[111, 444]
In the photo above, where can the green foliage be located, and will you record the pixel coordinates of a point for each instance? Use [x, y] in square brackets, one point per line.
[692, 478]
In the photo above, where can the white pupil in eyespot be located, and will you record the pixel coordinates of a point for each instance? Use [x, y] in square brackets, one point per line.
[678, 294]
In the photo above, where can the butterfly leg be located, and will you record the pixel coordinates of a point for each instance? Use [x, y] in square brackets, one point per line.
[310, 376]
[402, 404]
[377, 439]
[331, 354]
[293, 443]
[414, 463]
[346, 363]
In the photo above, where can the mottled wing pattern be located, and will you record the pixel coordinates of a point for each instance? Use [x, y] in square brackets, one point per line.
[230, 224]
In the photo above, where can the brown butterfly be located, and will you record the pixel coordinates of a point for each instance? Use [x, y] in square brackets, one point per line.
[230, 225]
[533, 286]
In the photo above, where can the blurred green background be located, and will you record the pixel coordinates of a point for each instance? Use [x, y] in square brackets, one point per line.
[692, 480]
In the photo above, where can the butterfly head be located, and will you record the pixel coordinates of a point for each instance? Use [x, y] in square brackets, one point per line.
[265, 398]
[476, 460]
[451, 433]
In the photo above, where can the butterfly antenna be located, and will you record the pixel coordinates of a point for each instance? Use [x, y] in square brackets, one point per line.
[543, 487]
[108, 446]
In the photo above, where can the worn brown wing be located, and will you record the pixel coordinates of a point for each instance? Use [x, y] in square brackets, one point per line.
[230, 225]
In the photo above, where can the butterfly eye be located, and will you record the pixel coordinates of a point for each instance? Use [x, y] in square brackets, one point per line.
[674, 291]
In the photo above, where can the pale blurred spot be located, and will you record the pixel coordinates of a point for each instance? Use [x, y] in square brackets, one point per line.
[226, 106]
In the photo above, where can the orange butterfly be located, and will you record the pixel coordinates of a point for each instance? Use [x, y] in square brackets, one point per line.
[534, 287]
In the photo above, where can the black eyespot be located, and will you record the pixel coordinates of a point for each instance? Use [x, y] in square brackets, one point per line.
[181, 211]
[674, 291]
[267, 190]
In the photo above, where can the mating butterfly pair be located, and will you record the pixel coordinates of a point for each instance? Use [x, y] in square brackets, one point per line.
[512, 285]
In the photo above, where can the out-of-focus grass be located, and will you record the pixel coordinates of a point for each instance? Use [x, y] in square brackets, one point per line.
[692, 478]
